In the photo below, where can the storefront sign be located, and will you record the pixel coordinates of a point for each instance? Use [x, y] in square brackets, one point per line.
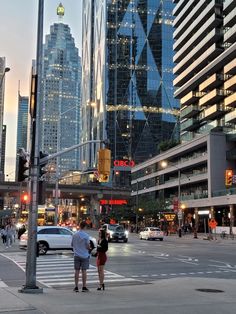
[124, 163]
[113, 202]
[170, 217]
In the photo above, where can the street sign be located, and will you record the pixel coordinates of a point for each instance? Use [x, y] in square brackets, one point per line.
[180, 214]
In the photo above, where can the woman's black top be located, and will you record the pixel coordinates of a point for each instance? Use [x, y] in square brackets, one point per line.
[102, 245]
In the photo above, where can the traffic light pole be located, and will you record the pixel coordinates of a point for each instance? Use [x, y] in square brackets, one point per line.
[30, 284]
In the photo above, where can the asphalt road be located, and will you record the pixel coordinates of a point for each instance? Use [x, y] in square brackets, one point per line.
[135, 262]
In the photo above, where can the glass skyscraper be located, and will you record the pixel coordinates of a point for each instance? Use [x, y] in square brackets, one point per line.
[127, 84]
[60, 96]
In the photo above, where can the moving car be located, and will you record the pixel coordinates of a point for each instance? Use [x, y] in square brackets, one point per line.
[116, 232]
[151, 233]
[52, 238]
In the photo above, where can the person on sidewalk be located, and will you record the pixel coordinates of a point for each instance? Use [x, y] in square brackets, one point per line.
[3, 235]
[102, 248]
[81, 246]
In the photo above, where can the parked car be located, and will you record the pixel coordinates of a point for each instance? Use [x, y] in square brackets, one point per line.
[116, 232]
[52, 238]
[151, 233]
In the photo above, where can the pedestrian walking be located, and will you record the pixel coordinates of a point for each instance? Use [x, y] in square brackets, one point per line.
[3, 235]
[102, 248]
[81, 246]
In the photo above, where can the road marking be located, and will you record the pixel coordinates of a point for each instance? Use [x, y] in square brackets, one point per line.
[2, 284]
[59, 271]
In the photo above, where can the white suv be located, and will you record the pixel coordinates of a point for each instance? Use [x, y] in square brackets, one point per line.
[52, 238]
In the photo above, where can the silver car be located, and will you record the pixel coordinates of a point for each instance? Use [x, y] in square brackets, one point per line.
[151, 233]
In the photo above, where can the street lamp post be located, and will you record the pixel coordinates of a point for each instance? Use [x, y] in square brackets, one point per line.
[2, 78]
[136, 217]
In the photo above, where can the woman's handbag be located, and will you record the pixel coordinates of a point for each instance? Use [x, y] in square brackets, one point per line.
[94, 252]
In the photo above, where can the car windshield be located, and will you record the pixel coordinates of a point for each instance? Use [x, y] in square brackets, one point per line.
[119, 229]
[154, 229]
[114, 227]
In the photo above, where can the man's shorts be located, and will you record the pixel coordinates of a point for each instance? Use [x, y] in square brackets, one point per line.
[81, 263]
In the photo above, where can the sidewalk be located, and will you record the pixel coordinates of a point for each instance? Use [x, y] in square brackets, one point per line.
[177, 296]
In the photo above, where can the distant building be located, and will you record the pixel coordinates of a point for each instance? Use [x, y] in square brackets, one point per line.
[2, 90]
[60, 96]
[22, 124]
[127, 84]
[3, 153]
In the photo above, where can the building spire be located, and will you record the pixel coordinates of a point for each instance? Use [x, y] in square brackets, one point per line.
[60, 11]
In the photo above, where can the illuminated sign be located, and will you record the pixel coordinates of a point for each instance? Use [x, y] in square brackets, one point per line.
[170, 217]
[124, 163]
[113, 202]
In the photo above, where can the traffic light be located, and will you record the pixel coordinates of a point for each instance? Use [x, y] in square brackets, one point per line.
[42, 166]
[104, 164]
[25, 198]
[228, 177]
[22, 167]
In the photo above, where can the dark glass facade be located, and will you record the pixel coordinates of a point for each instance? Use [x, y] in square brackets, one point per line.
[130, 96]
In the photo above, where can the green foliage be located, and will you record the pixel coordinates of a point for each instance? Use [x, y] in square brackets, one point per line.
[168, 144]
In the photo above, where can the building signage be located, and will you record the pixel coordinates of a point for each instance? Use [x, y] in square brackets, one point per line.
[170, 217]
[124, 163]
[113, 202]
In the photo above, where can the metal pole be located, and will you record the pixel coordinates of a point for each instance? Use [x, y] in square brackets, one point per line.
[136, 220]
[179, 205]
[30, 285]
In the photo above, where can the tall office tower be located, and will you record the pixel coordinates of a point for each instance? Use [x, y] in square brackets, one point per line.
[3, 153]
[2, 89]
[205, 52]
[60, 100]
[127, 84]
[22, 124]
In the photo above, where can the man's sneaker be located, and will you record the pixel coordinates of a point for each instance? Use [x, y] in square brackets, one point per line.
[76, 289]
[84, 289]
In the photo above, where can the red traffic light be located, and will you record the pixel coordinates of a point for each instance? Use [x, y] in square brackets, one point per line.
[25, 198]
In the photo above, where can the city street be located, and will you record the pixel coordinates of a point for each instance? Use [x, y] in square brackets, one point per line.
[134, 263]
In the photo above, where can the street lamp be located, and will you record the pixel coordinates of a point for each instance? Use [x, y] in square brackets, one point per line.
[164, 164]
[2, 78]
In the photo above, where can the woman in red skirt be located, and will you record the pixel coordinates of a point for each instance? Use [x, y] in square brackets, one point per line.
[101, 257]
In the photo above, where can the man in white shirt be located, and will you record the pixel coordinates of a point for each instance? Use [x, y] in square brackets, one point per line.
[81, 246]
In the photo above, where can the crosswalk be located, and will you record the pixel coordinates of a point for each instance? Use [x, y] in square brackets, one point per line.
[58, 271]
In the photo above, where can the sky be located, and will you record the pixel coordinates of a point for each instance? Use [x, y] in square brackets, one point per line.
[18, 31]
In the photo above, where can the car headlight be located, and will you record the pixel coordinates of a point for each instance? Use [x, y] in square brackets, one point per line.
[126, 233]
[111, 233]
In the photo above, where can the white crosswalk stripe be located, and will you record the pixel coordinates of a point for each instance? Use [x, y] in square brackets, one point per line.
[59, 271]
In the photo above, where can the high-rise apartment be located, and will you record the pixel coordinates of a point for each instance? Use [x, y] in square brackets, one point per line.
[60, 101]
[2, 89]
[22, 124]
[205, 52]
[3, 153]
[127, 84]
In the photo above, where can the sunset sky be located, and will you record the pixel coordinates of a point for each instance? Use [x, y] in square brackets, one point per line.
[18, 30]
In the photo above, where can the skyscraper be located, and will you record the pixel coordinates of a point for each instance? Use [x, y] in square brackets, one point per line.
[60, 100]
[22, 124]
[127, 84]
[3, 152]
[205, 52]
[2, 89]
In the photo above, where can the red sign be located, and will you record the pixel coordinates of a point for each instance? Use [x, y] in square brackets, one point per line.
[124, 163]
[113, 202]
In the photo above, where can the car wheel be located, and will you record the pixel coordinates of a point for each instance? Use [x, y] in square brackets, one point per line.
[43, 248]
[126, 240]
[140, 237]
[161, 239]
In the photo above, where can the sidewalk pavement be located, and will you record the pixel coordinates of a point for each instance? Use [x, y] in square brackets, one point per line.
[177, 296]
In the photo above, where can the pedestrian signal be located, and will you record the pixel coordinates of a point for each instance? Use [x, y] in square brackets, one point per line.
[228, 177]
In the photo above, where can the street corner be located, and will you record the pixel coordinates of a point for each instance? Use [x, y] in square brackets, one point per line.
[10, 301]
